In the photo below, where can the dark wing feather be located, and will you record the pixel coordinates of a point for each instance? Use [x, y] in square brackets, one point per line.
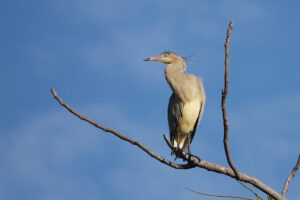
[174, 114]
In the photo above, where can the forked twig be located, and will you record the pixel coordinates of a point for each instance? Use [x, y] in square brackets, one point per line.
[194, 161]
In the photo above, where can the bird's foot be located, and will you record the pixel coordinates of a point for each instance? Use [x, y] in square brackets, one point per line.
[178, 153]
[188, 155]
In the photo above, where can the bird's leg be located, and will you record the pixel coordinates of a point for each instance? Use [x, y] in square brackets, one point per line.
[173, 148]
[178, 142]
[177, 152]
[177, 148]
[189, 143]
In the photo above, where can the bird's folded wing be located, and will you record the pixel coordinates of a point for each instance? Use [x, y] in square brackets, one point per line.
[175, 108]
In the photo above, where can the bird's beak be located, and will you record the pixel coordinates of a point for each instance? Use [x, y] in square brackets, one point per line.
[154, 58]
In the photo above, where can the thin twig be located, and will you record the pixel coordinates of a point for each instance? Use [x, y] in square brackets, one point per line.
[288, 180]
[224, 95]
[168, 142]
[191, 158]
[252, 191]
[221, 196]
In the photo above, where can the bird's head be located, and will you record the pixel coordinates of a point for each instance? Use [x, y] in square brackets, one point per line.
[167, 57]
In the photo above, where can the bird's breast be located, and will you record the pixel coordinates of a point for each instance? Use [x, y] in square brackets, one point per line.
[189, 117]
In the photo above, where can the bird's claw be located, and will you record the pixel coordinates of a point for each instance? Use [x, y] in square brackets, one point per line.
[178, 153]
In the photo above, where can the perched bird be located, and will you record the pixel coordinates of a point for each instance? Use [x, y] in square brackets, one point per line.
[186, 104]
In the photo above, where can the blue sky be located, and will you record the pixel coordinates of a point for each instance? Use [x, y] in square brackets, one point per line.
[91, 52]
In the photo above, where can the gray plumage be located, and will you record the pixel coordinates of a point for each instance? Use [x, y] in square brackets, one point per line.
[186, 104]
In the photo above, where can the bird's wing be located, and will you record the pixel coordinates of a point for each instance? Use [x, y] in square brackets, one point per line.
[201, 110]
[198, 120]
[175, 108]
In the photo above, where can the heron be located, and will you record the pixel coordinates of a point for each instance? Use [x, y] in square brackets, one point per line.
[186, 103]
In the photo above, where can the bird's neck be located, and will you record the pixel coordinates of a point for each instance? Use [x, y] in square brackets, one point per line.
[176, 68]
[173, 73]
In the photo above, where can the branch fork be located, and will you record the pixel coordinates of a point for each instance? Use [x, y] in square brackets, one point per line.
[194, 161]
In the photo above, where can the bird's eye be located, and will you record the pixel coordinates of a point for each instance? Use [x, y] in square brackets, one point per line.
[164, 54]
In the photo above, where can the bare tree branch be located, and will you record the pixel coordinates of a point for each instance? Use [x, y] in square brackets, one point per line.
[291, 176]
[221, 196]
[193, 160]
[224, 95]
[119, 135]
